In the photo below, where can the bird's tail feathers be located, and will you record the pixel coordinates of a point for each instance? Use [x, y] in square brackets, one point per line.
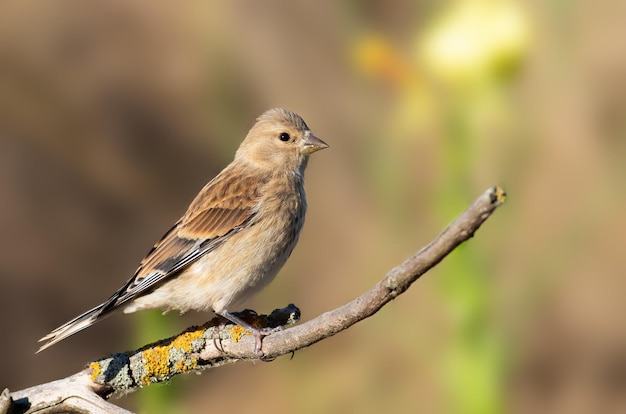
[75, 325]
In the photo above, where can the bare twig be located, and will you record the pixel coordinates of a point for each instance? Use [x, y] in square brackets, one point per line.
[74, 394]
[213, 345]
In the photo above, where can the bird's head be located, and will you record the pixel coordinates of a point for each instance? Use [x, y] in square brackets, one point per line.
[281, 141]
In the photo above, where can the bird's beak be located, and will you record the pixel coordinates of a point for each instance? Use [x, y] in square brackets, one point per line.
[312, 143]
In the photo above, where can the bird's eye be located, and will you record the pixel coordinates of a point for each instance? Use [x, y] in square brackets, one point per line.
[284, 137]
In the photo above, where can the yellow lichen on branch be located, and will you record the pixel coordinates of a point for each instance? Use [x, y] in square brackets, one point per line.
[161, 362]
[96, 369]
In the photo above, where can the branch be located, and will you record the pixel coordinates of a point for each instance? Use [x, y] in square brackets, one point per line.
[215, 344]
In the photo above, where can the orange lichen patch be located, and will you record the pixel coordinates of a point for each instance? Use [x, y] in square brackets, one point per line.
[185, 340]
[96, 369]
[163, 361]
[500, 195]
[156, 363]
[237, 332]
[186, 365]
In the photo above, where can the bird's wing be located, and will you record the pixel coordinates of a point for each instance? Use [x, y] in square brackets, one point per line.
[222, 209]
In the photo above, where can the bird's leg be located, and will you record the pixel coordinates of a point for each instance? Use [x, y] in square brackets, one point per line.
[257, 333]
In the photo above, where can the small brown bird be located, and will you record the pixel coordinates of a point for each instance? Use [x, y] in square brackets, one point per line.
[235, 236]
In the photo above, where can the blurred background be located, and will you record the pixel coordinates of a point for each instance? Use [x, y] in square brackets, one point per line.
[113, 114]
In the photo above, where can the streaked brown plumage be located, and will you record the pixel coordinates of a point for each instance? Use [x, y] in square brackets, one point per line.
[235, 236]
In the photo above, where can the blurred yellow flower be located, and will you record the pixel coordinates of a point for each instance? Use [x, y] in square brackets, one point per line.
[474, 39]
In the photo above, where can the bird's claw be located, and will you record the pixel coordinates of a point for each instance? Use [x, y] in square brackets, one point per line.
[259, 334]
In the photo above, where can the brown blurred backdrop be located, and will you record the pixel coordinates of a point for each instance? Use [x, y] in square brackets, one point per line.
[113, 114]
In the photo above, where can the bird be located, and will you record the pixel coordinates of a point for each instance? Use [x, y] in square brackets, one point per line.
[235, 236]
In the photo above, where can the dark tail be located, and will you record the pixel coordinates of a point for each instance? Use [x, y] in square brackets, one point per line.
[75, 325]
